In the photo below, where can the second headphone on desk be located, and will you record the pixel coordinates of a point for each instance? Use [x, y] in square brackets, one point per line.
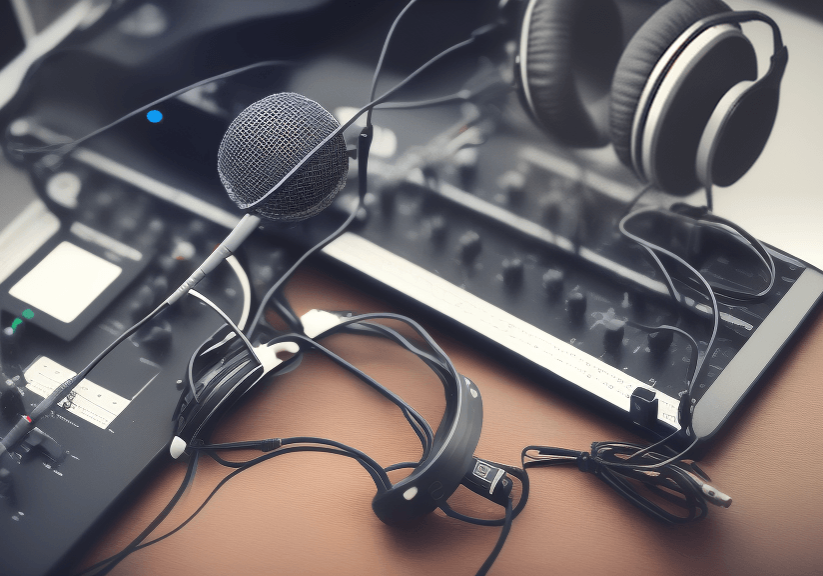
[681, 104]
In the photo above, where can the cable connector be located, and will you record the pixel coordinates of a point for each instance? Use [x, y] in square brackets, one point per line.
[715, 496]
[488, 480]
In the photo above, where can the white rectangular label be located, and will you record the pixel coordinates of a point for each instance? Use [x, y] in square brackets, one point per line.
[88, 401]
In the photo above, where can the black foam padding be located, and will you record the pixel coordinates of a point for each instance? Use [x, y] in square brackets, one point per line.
[572, 53]
[640, 57]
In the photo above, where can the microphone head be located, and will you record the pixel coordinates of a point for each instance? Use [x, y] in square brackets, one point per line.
[266, 141]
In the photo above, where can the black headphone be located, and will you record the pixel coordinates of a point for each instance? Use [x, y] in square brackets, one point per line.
[223, 370]
[682, 104]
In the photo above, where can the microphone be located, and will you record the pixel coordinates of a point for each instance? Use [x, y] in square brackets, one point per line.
[262, 145]
[266, 141]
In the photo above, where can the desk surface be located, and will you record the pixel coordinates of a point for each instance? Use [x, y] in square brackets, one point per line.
[311, 513]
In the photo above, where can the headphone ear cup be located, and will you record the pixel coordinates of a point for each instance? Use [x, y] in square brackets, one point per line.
[737, 132]
[640, 58]
[568, 53]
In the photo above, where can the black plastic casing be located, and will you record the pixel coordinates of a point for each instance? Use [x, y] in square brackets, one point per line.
[452, 454]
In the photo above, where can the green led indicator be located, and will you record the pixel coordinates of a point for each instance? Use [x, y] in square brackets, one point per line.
[28, 314]
[16, 323]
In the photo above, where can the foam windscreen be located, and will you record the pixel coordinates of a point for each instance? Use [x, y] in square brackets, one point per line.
[266, 141]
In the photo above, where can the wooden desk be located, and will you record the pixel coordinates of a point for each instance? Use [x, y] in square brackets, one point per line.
[311, 513]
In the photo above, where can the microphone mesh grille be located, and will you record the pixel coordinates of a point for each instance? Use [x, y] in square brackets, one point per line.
[268, 139]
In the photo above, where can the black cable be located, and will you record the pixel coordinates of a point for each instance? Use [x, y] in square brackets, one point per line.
[117, 558]
[26, 423]
[382, 481]
[686, 399]
[361, 174]
[382, 56]
[109, 563]
[703, 215]
[425, 433]
[672, 478]
[501, 540]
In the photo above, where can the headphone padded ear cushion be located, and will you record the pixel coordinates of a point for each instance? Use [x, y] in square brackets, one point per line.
[555, 31]
[642, 54]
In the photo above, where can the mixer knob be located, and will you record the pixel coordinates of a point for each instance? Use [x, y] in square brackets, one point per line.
[513, 272]
[576, 305]
[469, 246]
[10, 350]
[388, 200]
[435, 228]
[613, 338]
[660, 341]
[151, 235]
[513, 184]
[553, 282]
[465, 161]
[551, 212]
[143, 302]
[64, 188]
[155, 340]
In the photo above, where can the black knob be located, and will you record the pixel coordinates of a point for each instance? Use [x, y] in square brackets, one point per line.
[435, 228]
[552, 211]
[660, 341]
[576, 305]
[512, 272]
[155, 340]
[151, 234]
[465, 160]
[388, 200]
[470, 246]
[11, 403]
[613, 338]
[513, 184]
[143, 302]
[553, 282]
[10, 350]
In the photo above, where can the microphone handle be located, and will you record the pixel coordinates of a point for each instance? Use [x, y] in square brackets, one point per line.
[227, 247]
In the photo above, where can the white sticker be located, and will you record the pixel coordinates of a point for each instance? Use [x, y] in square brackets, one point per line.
[87, 400]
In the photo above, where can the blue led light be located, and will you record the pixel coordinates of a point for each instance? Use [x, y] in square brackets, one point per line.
[154, 116]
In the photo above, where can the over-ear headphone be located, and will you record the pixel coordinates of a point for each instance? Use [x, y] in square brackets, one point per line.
[223, 370]
[682, 105]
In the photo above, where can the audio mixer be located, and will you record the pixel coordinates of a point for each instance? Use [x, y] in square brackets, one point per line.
[474, 219]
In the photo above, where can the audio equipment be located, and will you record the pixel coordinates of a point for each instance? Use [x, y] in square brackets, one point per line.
[682, 105]
[471, 215]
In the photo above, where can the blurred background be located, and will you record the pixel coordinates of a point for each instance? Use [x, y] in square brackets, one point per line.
[778, 201]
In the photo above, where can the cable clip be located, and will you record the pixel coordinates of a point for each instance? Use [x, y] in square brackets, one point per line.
[585, 463]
